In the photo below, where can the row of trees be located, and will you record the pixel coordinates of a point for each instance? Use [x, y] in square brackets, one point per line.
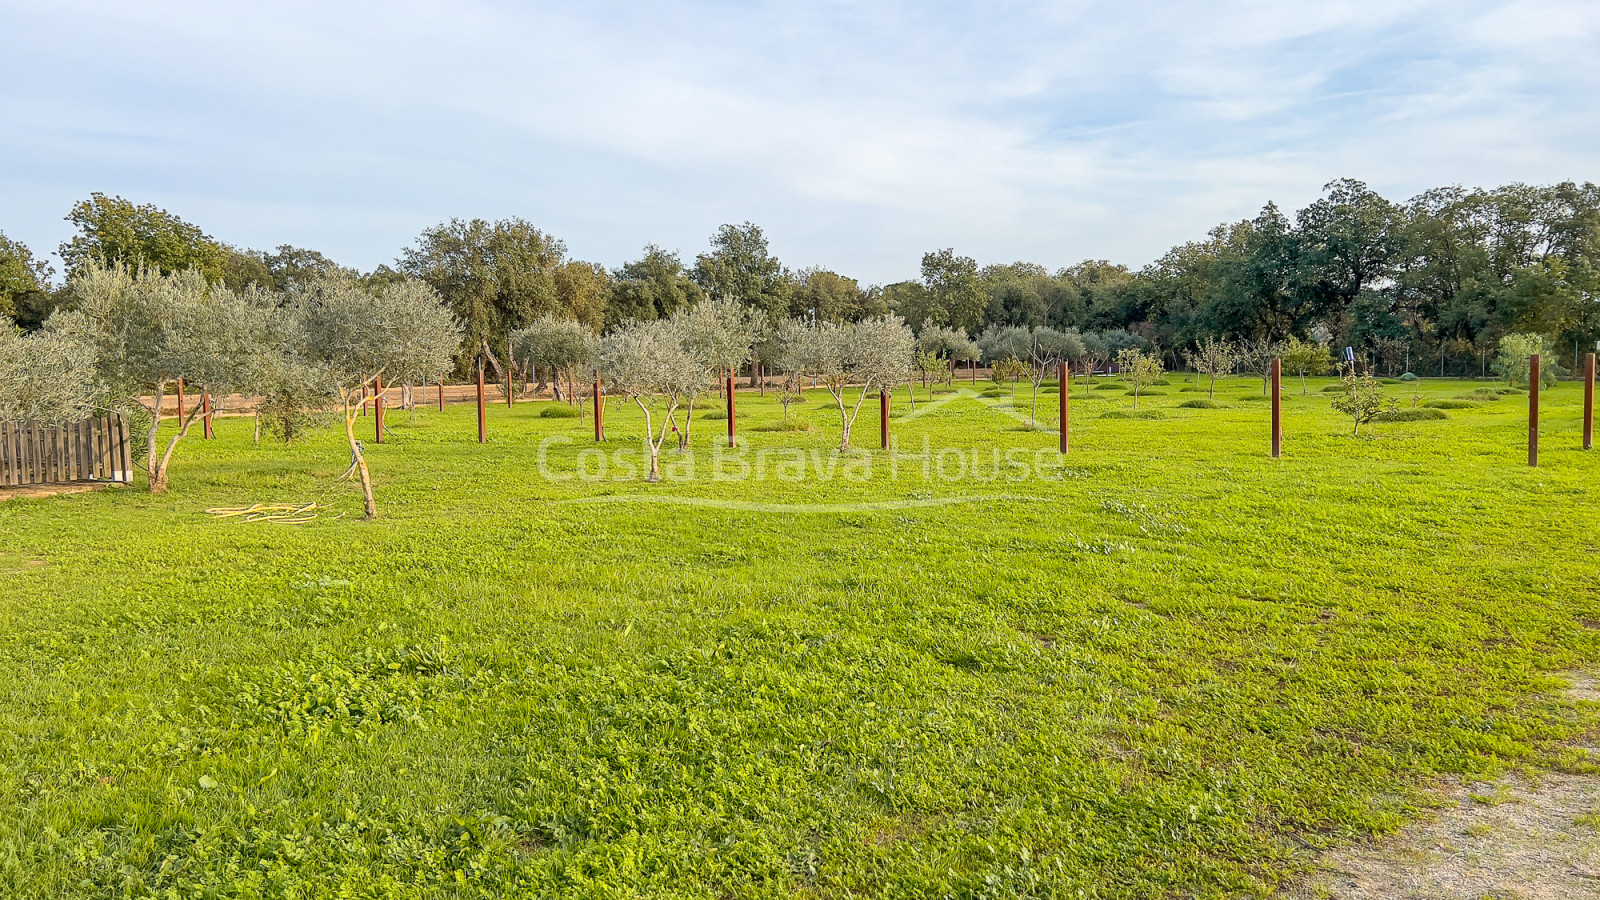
[1442, 276]
[133, 336]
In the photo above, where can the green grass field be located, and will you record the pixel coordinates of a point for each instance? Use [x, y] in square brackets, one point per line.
[1165, 665]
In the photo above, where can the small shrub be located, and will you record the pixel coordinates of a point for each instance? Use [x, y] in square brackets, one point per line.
[1199, 403]
[721, 415]
[1450, 404]
[1408, 377]
[559, 412]
[789, 426]
[1133, 414]
[1333, 389]
[1109, 386]
[1191, 390]
[1480, 396]
[1161, 381]
[1388, 381]
[1420, 414]
[1149, 393]
[994, 392]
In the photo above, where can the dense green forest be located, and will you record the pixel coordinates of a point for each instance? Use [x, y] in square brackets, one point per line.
[1431, 283]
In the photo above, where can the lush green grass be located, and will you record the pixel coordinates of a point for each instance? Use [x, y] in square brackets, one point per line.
[1166, 665]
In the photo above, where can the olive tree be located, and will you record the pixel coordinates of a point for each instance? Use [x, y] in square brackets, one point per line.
[647, 362]
[718, 334]
[791, 348]
[872, 355]
[293, 391]
[1306, 358]
[1214, 359]
[1257, 356]
[999, 342]
[1362, 399]
[560, 346]
[951, 345]
[1009, 371]
[399, 331]
[146, 332]
[1049, 347]
[1511, 360]
[929, 364]
[47, 377]
[1139, 369]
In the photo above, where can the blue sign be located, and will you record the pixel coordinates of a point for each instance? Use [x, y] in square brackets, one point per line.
[1349, 354]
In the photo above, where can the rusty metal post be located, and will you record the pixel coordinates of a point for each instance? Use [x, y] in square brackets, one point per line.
[599, 409]
[377, 410]
[1277, 408]
[483, 434]
[761, 378]
[441, 392]
[1588, 402]
[733, 439]
[973, 370]
[883, 419]
[180, 404]
[205, 405]
[1533, 410]
[1065, 389]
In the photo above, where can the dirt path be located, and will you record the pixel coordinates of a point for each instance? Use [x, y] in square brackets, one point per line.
[1511, 840]
[37, 491]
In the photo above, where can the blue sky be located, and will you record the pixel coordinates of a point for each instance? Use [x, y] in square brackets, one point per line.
[858, 135]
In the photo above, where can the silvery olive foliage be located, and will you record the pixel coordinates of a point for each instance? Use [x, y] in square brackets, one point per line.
[399, 332]
[145, 331]
[46, 377]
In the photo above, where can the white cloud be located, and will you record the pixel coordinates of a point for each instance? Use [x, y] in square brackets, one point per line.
[858, 135]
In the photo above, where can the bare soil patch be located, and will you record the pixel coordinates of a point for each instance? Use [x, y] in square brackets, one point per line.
[1515, 839]
[37, 491]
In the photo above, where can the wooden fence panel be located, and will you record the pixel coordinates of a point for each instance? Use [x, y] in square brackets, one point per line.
[96, 449]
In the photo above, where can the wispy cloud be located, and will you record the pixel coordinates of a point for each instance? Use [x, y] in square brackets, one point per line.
[859, 135]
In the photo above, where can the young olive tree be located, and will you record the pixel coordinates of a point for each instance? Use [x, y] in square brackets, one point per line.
[930, 365]
[1214, 359]
[950, 345]
[46, 377]
[791, 348]
[1512, 360]
[1008, 371]
[1097, 354]
[645, 361]
[293, 392]
[1362, 399]
[1306, 358]
[1257, 356]
[873, 354]
[718, 334]
[560, 346]
[146, 332]
[1139, 369]
[1048, 348]
[399, 331]
[1000, 342]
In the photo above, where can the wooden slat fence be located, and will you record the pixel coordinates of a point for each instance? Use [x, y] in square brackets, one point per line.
[94, 449]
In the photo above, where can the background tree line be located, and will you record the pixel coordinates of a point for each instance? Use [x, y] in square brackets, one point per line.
[1440, 277]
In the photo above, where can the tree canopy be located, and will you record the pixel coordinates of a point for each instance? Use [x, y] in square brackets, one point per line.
[1445, 275]
[112, 230]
